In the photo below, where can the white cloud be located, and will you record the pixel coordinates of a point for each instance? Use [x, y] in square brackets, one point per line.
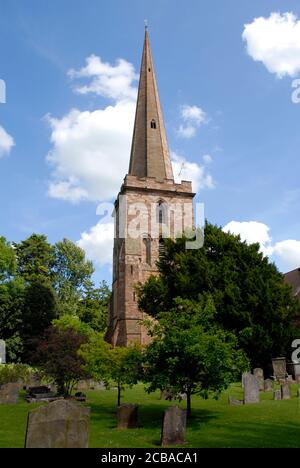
[90, 152]
[6, 142]
[252, 232]
[275, 41]
[110, 81]
[193, 118]
[288, 253]
[285, 253]
[186, 131]
[185, 170]
[207, 159]
[98, 243]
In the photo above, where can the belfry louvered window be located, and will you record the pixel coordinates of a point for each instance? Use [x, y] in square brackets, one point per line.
[153, 124]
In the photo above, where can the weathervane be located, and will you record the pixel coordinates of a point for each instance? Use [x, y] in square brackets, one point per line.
[146, 24]
[181, 169]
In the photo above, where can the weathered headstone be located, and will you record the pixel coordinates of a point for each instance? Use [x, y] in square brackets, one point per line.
[259, 375]
[298, 379]
[243, 378]
[166, 395]
[127, 416]
[2, 352]
[285, 391]
[174, 426]
[61, 424]
[277, 395]
[268, 385]
[9, 393]
[279, 368]
[234, 402]
[251, 389]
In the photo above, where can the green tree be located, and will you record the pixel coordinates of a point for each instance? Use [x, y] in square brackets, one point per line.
[11, 317]
[35, 259]
[73, 322]
[249, 293]
[7, 260]
[72, 275]
[119, 367]
[39, 309]
[190, 353]
[93, 307]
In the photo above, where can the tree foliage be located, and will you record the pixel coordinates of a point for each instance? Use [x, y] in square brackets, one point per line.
[115, 366]
[249, 293]
[57, 354]
[190, 353]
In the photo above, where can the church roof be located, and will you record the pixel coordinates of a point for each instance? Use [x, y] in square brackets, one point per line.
[150, 155]
[293, 278]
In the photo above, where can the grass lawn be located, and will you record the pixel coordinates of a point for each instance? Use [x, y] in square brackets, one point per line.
[214, 423]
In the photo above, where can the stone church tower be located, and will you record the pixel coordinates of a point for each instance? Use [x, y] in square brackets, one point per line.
[150, 206]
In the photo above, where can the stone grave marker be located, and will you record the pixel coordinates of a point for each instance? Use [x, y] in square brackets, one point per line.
[174, 426]
[61, 424]
[2, 352]
[285, 391]
[9, 393]
[127, 416]
[268, 385]
[259, 375]
[277, 395]
[251, 389]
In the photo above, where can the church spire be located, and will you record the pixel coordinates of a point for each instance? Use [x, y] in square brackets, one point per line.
[149, 153]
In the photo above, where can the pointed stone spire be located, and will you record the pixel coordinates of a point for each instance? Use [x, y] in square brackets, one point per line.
[150, 155]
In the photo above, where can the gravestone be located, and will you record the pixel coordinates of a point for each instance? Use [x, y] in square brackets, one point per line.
[174, 426]
[285, 391]
[234, 402]
[166, 395]
[61, 424]
[9, 393]
[279, 368]
[243, 378]
[259, 375]
[298, 379]
[268, 385]
[2, 352]
[251, 389]
[277, 395]
[127, 416]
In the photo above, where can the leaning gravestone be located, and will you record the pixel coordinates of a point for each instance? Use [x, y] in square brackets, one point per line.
[251, 389]
[174, 426]
[127, 417]
[259, 375]
[277, 395]
[268, 385]
[9, 393]
[285, 391]
[61, 424]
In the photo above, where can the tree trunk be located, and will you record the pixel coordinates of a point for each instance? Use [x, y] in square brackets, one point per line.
[188, 403]
[119, 395]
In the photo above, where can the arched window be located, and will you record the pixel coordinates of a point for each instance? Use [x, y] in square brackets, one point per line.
[153, 124]
[162, 213]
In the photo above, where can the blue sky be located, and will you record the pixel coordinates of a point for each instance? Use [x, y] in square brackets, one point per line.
[225, 90]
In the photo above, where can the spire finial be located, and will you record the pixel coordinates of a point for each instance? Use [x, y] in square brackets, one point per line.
[146, 25]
